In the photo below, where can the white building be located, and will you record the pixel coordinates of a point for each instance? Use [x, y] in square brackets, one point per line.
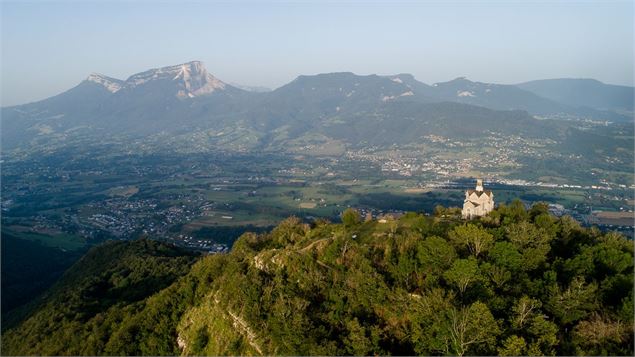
[477, 202]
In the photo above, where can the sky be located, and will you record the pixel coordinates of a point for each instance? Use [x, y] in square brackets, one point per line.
[48, 47]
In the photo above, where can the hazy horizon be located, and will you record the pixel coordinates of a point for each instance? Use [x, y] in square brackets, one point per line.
[48, 47]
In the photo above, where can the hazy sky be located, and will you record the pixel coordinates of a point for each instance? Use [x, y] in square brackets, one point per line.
[48, 47]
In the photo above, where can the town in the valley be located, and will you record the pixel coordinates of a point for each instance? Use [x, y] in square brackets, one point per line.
[193, 201]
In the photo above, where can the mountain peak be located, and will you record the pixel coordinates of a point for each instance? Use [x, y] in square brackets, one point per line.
[192, 79]
[460, 79]
[401, 78]
[111, 84]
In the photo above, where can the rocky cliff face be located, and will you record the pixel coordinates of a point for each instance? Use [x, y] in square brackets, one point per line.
[191, 79]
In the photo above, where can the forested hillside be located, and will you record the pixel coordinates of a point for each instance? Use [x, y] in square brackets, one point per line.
[514, 283]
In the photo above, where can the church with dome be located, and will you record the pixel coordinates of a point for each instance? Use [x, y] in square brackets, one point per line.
[478, 202]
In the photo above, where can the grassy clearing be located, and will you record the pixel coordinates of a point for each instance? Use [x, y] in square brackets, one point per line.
[417, 190]
[238, 218]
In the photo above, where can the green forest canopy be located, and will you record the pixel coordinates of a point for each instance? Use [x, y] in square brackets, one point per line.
[517, 282]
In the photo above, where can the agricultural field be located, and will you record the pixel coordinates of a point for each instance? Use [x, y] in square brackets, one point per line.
[614, 218]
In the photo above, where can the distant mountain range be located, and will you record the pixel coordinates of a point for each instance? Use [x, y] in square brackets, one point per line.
[588, 93]
[354, 109]
[259, 89]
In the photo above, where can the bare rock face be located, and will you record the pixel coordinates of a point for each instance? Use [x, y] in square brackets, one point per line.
[181, 343]
[192, 79]
[111, 84]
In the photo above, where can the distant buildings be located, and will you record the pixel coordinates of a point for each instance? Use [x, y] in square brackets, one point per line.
[477, 202]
